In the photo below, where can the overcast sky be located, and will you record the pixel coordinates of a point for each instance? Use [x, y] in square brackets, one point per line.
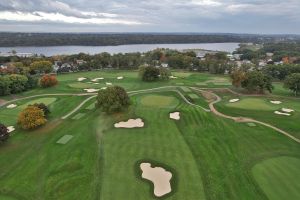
[230, 16]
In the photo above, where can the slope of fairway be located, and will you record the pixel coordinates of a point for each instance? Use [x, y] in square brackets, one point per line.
[253, 104]
[47, 101]
[159, 141]
[279, 177]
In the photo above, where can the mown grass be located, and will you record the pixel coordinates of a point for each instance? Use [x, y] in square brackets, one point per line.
[279, 177]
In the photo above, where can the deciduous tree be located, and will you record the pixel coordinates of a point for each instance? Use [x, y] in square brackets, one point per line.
[292, 82]
[32, 117]
[4, 135]
[48, 81]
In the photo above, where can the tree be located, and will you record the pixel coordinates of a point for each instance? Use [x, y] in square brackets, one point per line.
[4, 85]
[43, 107]
[17, 83]
[48, 81]
[292, 82]
[149, 73]
[256, 81]
[41, 67]
[238, 76]
[31, 117]
[164, 73]
[3, 133]
[113, 99]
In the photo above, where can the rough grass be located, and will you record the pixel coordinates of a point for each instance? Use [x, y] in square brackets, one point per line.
[279, 177]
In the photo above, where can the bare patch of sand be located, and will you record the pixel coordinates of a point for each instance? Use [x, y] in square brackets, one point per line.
[120, 77]
[281, 113]
[107, 83]
[173, 77]
[10, 129]
[175, 115]
[131, 123]
[287, 110]
[91, 90]
[11, 106]
[276, 102]
[103, 88]
[81, 79]
[96, 79]
[159, 177]
[233, 100]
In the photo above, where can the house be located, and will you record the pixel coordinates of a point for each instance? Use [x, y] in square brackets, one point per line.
[269, 54]
[165, 65]
[80, 62]
[237, 56]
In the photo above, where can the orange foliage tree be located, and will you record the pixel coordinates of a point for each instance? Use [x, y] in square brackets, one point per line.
[31, 117]
[48, 81]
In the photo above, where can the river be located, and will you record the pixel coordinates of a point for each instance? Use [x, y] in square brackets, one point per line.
[67, 50]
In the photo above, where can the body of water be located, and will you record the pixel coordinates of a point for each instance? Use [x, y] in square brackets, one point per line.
[67, 50]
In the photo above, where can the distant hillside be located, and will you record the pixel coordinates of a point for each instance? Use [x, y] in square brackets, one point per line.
[105, 39]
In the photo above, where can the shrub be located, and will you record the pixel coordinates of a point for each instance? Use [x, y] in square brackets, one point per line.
[32, 117]
[3, 133]
[43, 107]
[48, 81]
[113, 99]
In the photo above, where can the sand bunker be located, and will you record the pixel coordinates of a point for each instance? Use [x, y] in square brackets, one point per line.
[96, 79]
[287, 110]
[159, 177]
[11, 106]
[108, 83]
[172, 77]
[131, 123]
[103, 88]
[120, 77]
[81, 79]
[281, 113]
[175, 115]
[96, 83]
[233, 100]
[91, 90]
[10, 129]
[276, 102]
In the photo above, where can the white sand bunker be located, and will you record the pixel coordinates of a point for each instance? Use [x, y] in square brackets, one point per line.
[287, 110]
[96, 79]
[10, 129]
[91, 90]
[175, 115]
[233, 100]
[108, 83]
[281, 113]
[172, 77]
[131, 123]
[276, 102]
[103, 88]
[11, 106]
[81, 79]
[159, 177]
[120, 77]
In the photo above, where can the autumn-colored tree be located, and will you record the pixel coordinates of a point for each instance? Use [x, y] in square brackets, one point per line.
[237, 77]
[38, 67]
[48, 81]
[3, 133]
[43, 107]
[32, 117]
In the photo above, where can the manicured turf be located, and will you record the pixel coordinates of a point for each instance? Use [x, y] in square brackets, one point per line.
[185, 89]
[193, 96]
[279, 177]
[212, 158]
[78, 116]
[65, 139]
[254, 104]
[251, 124]
[46, 101]
[159, 101]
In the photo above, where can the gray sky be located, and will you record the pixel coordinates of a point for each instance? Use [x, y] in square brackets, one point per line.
[230, 16]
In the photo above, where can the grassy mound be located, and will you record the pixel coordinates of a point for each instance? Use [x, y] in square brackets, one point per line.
[279, 177]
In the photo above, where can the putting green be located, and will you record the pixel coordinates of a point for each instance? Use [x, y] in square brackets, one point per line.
[253, 104]
[82, 85]
[159, 101]
[279, 177]
[46, 101]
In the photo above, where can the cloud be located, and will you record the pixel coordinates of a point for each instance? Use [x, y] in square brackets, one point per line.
[154, 15]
